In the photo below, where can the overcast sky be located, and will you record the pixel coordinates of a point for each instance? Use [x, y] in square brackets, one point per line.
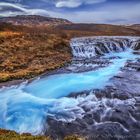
[86, 11]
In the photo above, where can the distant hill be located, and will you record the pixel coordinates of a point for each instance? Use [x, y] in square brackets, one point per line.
[26, 23]
[135, 26]
[27, 51]
[33, 20]
[100, 29]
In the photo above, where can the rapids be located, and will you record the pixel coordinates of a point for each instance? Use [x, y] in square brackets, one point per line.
[25, 107]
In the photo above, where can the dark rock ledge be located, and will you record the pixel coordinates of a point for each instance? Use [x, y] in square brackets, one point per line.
[116, 115]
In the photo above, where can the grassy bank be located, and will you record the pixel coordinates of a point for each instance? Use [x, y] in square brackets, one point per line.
[26, 52]
[11, 135]
[26, 55]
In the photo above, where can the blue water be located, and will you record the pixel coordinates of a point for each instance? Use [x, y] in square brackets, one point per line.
[25, 108]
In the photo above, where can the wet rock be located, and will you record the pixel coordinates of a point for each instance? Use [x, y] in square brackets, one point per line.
[59, 129]
[137, 52]
[137, 47]
[108, 131]
[121, 115]
[115, 115]
[112, 113]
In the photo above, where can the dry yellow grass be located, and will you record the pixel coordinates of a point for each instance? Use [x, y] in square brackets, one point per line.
[12, 135]
[9, 34]
[29, 51]
[27, 55]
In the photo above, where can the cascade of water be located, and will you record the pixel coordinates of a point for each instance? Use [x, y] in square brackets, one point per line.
[25, 108]
[90, 47]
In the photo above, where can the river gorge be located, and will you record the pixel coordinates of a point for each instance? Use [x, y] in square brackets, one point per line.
[96, 94]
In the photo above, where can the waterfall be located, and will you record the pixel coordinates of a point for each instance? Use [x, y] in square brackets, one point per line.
[93, 46]
[26, 107]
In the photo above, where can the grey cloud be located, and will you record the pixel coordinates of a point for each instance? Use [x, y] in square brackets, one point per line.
[8, 9]
[113, 14]
[117, 12]
[75, 3]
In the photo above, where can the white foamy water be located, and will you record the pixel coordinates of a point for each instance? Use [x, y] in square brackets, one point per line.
[25, 107]
[88, 47]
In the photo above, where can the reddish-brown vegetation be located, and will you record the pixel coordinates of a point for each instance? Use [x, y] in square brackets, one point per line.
[28, 55]
[29, 51]
[11, 135]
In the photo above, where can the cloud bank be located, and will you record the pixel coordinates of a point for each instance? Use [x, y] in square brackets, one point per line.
[75, 3]
[86, 11]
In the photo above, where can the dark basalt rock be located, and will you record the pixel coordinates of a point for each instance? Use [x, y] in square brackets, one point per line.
[133, 65]
[137, 47]
[59, 129]
[114, 114]
[122, 115]
[107, 131]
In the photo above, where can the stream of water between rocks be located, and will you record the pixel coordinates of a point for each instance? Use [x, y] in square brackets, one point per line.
[27, 107]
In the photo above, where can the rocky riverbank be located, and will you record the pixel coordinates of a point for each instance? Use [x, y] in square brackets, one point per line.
[111, 113]
[24, 56]
[28, 51]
